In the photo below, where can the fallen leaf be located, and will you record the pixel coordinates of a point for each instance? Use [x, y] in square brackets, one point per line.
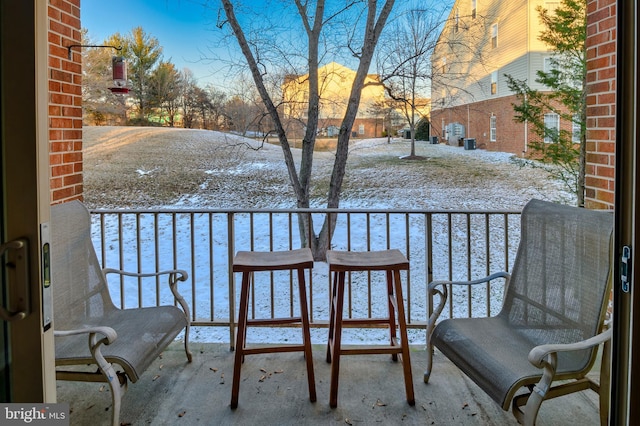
[278, 372]
[101, 389]
[263, 370]
[465, 405]
[380, 403]
[182, 413]
[213, 369]
[161, 365]
[347, 421]
[156, 377]
[262, 378]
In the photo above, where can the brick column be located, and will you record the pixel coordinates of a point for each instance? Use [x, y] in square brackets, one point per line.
[601, 104]
[65, 101]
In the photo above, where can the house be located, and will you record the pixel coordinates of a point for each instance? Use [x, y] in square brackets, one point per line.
[482, 41]
[335, 82]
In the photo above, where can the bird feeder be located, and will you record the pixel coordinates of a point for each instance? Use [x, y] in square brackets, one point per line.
[118, 68]
[119, 71]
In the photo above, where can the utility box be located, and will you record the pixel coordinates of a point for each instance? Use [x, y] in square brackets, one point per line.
[469, 143]
[434, 140]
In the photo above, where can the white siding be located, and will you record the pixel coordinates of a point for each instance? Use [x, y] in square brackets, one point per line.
[470, 58]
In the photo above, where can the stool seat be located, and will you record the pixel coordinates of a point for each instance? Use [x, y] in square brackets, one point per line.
[272, 260]
[391, 262]
[382, 260]
[250, 262]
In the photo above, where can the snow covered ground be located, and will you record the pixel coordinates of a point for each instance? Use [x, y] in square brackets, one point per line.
[182, 169]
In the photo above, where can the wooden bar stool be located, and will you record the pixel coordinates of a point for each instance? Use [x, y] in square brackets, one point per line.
[391, 261]
[249, 262]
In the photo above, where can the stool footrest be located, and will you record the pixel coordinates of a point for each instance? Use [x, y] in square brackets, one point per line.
[273, 349]
[274, 321]
[366, 322]
[370, 350]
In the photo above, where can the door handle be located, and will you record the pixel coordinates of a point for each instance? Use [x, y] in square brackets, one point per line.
[18, 278]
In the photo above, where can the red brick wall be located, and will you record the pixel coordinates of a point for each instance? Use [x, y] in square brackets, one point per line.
[511, 136]
[65, 101]
[601, 98]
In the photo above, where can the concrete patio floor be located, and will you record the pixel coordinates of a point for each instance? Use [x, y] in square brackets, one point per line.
[273, 391]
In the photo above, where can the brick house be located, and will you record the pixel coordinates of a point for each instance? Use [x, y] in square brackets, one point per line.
[482, 42]
[335, 82]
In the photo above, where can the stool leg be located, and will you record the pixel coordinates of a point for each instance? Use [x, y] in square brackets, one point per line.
[406, 361]
[391, 302]
[332, 315]
[240, 339]
[306, 336]
[337, 337]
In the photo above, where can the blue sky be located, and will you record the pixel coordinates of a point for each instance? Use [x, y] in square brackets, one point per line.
[183, 28]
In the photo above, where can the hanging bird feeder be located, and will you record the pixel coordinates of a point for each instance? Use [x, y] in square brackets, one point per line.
[118, 69]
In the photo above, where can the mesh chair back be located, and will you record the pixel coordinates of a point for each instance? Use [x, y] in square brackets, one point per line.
[561, 277]
[79, 290]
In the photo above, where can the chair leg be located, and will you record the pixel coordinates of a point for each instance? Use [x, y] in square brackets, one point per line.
[186, 343]
[392, 302]
[117, 385]
[240, 339]
[337, 337]
[306, 336]
[332, 315]
[406, 360]
[605, 382]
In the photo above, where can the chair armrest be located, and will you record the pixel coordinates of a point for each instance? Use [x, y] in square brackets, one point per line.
[175, 275]
[109, 333]
[538, 355]
[110, 336]
[440, 288]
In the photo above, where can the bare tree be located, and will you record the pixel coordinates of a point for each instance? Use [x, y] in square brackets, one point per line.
[404, 63]
[361, 41]
[188, 98]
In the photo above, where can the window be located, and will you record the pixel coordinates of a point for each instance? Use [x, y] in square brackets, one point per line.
[361, 129]
[551, 127]
[494, 82]
[492, 128]
[474, 5]
[576, 129]
[494, 35]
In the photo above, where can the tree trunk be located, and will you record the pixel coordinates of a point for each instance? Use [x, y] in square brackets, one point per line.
[301, 181]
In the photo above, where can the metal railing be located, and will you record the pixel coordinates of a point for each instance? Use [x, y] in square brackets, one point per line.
[440, 245]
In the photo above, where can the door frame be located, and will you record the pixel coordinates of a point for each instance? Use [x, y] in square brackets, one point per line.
[625, 374]
[25, 186]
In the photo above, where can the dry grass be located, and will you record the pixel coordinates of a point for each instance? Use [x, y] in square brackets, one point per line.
[153, 167]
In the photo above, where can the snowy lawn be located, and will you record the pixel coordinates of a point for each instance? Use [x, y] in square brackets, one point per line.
[129, 167]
